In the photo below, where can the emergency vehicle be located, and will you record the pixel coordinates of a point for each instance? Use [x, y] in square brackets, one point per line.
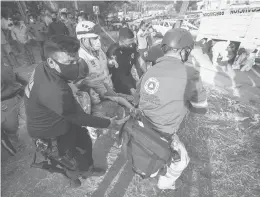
[233, 24]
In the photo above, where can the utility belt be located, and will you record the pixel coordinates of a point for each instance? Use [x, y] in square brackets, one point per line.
[49, 149]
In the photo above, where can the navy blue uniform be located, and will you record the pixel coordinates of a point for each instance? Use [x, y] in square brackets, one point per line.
[122, 77]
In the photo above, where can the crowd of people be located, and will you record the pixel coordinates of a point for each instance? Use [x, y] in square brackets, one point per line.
[19, 36]
[74, 65]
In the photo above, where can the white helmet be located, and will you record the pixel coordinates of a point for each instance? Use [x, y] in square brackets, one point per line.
[85, 29]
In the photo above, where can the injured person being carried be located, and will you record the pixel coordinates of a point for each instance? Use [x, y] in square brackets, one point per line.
[102, 106]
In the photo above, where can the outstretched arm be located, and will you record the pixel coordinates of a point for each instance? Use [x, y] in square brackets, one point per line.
[121, 101]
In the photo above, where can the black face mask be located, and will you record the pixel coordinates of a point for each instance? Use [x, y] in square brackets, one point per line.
[69, 72]
[54, 19]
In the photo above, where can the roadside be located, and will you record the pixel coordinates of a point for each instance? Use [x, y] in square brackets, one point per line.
[247, 83]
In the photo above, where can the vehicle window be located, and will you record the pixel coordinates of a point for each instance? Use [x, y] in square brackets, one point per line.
[166, 25]
[161, 23]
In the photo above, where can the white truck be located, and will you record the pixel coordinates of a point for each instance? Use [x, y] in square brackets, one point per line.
[234, 24]
[240, 25]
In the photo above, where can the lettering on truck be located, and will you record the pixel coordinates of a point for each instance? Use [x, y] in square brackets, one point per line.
[214, 13]
[232, 12]
[245, 10]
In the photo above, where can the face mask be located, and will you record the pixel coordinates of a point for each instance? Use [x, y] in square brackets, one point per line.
[70, 71]
[54, 19]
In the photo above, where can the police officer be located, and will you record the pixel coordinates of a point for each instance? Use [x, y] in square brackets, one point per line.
[12, 86]
[122, 57]
[92, 54]
[54, 117]
[167, 91]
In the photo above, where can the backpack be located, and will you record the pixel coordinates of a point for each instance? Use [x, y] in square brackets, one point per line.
[145, 148]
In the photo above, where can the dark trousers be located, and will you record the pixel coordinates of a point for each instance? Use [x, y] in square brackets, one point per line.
[77, 145]
[9, 123]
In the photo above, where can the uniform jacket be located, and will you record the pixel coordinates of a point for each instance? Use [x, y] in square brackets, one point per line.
[166, 92]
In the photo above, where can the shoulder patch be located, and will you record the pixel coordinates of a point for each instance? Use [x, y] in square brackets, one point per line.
[151, 86]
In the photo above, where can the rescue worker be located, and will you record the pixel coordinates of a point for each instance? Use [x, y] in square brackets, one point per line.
[12, 86]
[167, 91]
[91, 53]
[55, 120]
[122, 57]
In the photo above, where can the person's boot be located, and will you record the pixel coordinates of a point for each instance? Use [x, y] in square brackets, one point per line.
[178, 183]
[75, 183]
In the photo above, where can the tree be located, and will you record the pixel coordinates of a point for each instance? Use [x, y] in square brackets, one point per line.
[192, 5]
[177, 6]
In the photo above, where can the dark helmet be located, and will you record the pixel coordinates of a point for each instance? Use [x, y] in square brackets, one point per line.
[178, 39]
[153, 54]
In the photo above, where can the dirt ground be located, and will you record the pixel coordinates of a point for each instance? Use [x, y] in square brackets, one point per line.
[223, 145]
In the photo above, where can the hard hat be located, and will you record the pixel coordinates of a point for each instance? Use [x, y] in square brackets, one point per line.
[64, 10]
[86, 29]
[178, 39]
